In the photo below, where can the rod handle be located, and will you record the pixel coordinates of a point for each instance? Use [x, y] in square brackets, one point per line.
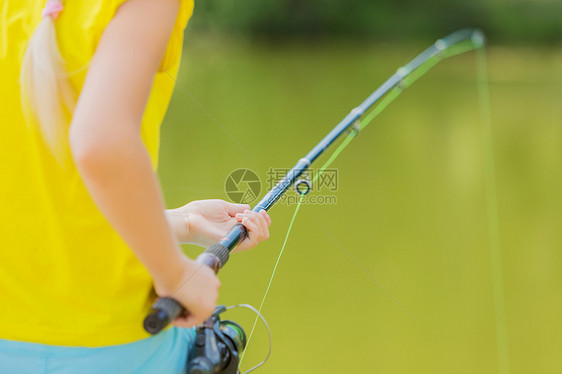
[166, 309]
[235, 236]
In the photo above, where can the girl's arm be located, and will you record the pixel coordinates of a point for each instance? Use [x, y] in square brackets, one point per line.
[112, 160]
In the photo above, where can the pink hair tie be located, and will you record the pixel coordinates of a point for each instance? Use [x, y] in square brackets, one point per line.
[52, 9]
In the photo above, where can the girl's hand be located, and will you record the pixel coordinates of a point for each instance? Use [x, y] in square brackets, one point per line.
[195, 287]
[205, 222]
[257, 225]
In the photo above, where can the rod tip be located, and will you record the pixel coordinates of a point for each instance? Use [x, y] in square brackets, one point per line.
[478, 38]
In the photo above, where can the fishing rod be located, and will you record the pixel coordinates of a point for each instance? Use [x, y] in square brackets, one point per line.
[166, 309]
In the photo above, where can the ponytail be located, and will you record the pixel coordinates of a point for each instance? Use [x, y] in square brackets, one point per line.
[47, 97]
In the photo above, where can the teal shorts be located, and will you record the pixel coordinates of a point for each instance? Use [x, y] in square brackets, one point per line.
[165, 353]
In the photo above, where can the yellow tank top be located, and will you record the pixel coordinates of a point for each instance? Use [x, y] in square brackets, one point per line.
[66, 277]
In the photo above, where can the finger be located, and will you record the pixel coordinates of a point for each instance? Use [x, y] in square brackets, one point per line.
[255, 218]
[246, 213]
[252, 228]
[267, 217]
[240, 216]
[250, 223]
[264, 231]
[233, 209]
[262, 218]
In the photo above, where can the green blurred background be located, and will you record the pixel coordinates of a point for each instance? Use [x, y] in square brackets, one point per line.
[411, 203]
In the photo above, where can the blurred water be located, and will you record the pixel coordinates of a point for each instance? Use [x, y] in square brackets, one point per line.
[410, 203]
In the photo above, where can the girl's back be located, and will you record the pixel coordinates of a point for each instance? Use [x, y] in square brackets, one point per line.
[66, 278]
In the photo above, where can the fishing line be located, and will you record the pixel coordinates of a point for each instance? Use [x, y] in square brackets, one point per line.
[260, 316]
[273, 275]
[492, 213]
[331, 159]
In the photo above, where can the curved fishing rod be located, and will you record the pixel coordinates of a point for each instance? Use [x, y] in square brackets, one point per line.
[165, 309]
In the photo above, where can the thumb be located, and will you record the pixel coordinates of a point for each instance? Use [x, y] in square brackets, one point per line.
[232, 209]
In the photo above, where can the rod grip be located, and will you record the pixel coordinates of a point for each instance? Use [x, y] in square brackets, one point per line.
[166, 309]
[163, 311]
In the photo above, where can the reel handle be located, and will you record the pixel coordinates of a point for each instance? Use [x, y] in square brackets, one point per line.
[166, 309]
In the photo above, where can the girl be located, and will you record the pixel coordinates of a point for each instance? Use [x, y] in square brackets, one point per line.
[85, 238]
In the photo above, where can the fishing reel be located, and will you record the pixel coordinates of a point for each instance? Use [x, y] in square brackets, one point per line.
[219, 345]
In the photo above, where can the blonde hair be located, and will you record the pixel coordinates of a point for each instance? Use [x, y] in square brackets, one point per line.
[47, 96]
